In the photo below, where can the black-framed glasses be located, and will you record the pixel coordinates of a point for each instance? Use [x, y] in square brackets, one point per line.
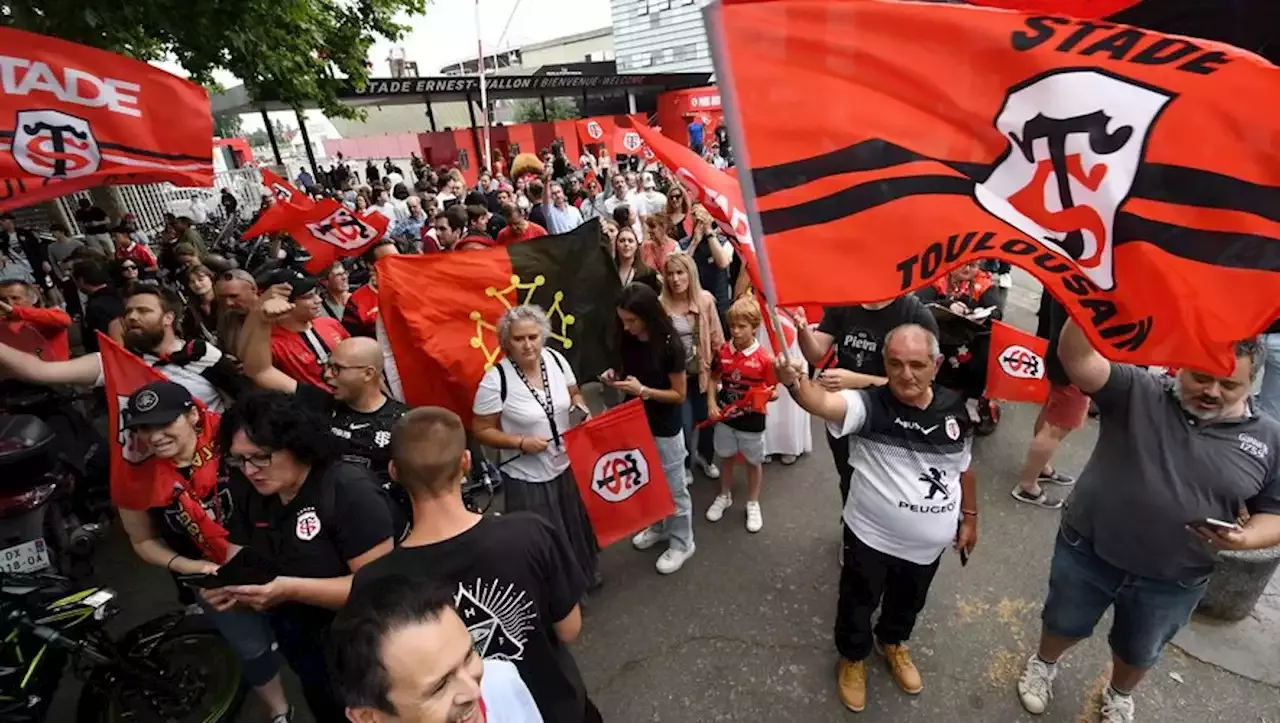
[336, 368]
[257, 461]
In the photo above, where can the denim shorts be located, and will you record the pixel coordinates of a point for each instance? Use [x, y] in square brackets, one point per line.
[1148, 612]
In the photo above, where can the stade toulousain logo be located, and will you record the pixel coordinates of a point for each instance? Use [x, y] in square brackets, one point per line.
[1020, 362]
[1076, 140]
[594, 130]
[344, 230]
[53, 144]
[133, 448]
[631, 141]
[619, 474]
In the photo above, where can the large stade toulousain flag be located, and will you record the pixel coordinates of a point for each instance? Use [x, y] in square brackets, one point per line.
[74, 117]
[441, 310]
[1126, 169]
[139, 480]
[328, 230]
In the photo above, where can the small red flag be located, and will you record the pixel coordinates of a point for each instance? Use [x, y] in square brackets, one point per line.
[1016, 365]
[289, 200]
[615, 462]
[595, 130]
[330, 231]
[139, 480]
[627, 142]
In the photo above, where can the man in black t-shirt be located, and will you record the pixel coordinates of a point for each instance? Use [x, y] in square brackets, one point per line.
[517, 586]
[103, 307]
[857, 333]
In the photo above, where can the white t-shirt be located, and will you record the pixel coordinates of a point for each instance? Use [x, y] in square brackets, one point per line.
[506, 698]
[524, 415]
[904, 497]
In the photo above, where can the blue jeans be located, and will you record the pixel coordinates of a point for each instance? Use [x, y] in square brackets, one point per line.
[1269, 395]
[694, 410]
[249, 634]
[1149, 612]
[678, 528]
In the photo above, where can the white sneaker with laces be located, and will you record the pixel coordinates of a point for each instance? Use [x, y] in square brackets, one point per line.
[1035, 687]
[754, 519]
[673, 559]
[688, 476]
[708, 468]
[647, 538]
[1116, 708]
[721, 503]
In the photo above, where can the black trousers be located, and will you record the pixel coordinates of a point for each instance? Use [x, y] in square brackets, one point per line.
[840, 451]
[871, 578]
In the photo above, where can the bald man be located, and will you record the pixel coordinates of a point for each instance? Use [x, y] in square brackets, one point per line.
[361, 416]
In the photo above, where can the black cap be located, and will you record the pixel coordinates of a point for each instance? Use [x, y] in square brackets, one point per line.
[156, 405]
[299, 283]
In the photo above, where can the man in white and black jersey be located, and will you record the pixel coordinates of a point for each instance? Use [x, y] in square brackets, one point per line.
[149, 316]
[911, 495]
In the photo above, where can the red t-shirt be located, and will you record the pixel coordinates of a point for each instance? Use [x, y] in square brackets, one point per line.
[301, 354]
[741, 374]
[42, 332]
[508, 235]
[140, 254]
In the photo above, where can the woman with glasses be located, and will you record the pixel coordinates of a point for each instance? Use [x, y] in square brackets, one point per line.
[311, 521]
[679, 213]
[523, 407]
[187, 533]
[335, 292]
[129, 276]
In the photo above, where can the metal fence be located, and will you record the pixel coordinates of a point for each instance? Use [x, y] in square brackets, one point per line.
[152, 201]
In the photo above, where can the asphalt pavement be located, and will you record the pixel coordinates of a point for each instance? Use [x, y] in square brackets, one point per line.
[743, 632]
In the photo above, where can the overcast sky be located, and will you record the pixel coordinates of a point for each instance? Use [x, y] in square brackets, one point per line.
[446, 34]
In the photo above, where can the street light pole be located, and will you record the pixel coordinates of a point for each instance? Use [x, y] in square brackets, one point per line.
[484, 97]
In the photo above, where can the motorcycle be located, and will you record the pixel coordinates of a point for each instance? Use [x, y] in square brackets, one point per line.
[55, 504]
[172, 669]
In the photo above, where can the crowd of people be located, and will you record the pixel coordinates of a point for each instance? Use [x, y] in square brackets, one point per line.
[315, 513]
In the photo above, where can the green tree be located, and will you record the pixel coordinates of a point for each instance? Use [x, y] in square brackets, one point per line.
[530, 110]
[258, 139]
[297, 51]
[227, 125]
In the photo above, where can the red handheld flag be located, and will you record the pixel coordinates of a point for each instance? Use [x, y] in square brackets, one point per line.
[595, 130]
[139, 480]
[1016, 365]
[626, 142]
[1071, 150]
[330, 231]
[615, 463]
[288, 202]
[74, 117]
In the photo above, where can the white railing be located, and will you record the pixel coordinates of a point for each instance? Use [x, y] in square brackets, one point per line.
[152, 201]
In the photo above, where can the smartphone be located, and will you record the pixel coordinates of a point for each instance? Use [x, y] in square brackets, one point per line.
[964, 557]
[206, 582]
[1217, 525]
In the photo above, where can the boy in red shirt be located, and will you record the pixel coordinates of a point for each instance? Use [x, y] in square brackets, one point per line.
[743, 371]
[25, 326]
[127, 249]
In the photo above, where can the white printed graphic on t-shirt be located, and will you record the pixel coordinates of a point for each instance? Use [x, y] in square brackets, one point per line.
[498, 617]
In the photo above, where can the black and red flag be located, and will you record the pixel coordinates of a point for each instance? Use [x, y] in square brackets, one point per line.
[287, 201]
[1118, 165]
[1016, 370]
[441, 311]
[74, 117]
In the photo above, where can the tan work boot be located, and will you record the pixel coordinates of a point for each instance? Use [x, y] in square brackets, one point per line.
[904, 671]
[851, 679]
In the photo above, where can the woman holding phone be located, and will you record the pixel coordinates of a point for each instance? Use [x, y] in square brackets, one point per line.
[653, 369]
[188, 536]
[523, 407]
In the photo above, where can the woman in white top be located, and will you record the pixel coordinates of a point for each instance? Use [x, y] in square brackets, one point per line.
[522, 408]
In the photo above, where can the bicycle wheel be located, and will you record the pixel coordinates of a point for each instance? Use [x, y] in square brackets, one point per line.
[204, 685]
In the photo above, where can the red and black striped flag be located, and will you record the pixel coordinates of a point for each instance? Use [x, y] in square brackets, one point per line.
[890, 142]
[441, 311]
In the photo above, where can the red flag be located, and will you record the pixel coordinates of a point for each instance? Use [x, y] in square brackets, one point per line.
[441, 310]
[330, 231]
[288, 201]
[595, 130]
[139, 480]
[722, 197]
[626, 142]
[1016, 365]
[615, 463]
[74, 117]
[1074, 151]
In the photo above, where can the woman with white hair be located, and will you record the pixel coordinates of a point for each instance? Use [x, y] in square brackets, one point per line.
[523, 408]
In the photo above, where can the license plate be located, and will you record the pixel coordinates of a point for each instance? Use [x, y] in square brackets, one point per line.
[27, 557]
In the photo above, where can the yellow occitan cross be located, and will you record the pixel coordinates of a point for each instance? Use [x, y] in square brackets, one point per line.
[554, 313]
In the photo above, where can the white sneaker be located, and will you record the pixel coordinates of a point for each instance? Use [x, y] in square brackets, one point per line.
[688, 476]
[646, 538]
[1035, 687]
[1116, 708]
[708, 468]
[718, 506]
[673, 559]
[754, 520]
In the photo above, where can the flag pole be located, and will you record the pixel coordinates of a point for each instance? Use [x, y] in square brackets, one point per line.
[712, 19]
[484, 98]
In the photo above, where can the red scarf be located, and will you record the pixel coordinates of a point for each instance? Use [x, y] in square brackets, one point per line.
[204, 530]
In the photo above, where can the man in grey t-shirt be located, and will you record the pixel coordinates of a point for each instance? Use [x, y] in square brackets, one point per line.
[1166, 457]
